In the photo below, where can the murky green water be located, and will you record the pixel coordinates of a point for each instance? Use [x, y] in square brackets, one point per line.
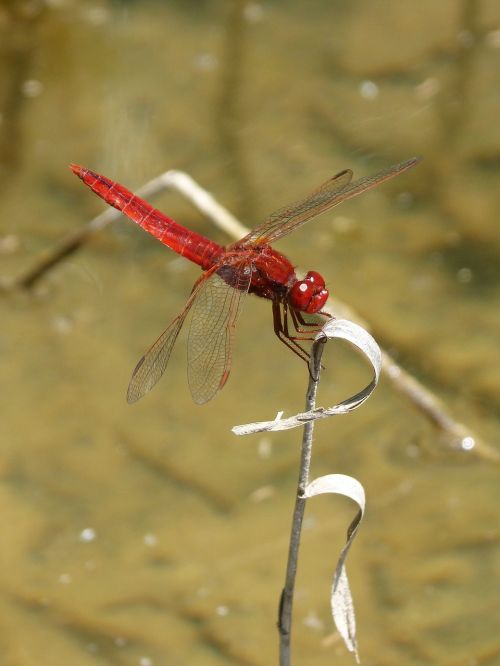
[150, 534]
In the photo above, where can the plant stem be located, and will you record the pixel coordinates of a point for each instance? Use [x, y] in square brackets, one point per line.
[286, 602]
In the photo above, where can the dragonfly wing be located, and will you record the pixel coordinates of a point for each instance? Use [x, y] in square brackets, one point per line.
[330, 194]
[280, 217]
[152, 365]
[211, 333]
[154, 362]
[333, 184]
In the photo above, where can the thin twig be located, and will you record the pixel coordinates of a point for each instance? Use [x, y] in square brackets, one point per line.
[460, 435]
[286, 602]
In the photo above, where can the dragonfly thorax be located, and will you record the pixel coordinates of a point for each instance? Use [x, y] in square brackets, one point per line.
[308, 295]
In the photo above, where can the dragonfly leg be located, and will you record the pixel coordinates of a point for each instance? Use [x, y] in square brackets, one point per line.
[280, 320]
[299, 324]
[305, 329]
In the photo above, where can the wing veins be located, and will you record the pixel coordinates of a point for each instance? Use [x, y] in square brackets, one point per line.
[154, 361]
[211, 334]
[330, 194]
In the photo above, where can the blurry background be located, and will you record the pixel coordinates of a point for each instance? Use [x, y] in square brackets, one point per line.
[150, 534]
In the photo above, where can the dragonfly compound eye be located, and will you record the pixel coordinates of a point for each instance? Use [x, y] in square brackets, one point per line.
[308, 295]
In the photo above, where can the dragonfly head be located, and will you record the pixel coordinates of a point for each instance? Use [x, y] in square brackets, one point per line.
[308, 295]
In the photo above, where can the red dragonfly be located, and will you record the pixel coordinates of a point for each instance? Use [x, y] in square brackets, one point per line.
[250, 265]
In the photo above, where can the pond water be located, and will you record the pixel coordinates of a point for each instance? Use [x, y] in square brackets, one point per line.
[150, 534]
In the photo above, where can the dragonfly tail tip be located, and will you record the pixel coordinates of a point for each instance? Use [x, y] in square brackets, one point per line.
[77, 170]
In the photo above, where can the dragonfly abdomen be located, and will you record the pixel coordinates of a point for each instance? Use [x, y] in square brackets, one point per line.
[187, 243]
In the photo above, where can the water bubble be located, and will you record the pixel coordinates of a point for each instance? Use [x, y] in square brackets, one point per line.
[464, 275]
[32, 88]
[87, 535]
[368, 90]
[150, 539]
[253, 12]
[467, 443]
[205, 62]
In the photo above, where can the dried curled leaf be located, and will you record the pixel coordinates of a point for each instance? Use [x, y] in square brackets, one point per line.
[341, 598]
[359, 338]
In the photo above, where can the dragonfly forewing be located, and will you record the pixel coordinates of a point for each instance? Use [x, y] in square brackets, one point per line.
[330, 194]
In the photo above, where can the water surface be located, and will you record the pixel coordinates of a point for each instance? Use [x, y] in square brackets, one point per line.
[150, 534]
